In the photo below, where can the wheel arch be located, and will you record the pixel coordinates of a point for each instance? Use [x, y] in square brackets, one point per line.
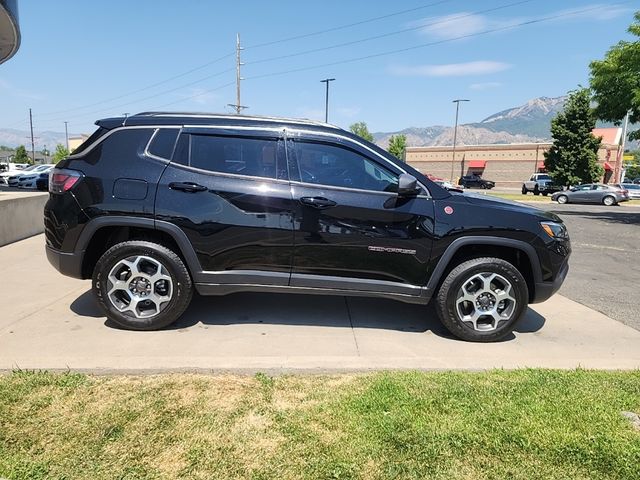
[521, 254]
[101, 233]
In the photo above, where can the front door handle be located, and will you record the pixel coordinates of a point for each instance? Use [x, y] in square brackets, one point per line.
[318, 202]
[187, 187]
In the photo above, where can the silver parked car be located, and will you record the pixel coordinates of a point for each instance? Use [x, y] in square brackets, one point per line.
[634, 190]
[592, 193]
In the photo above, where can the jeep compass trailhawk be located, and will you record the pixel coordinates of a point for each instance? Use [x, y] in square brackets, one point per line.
[155, 205]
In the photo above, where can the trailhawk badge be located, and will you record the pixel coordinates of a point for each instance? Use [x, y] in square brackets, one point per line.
[406, 251]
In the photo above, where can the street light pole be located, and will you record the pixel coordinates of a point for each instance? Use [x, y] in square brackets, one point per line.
[455, 133]
[326, 99]
[66, 134]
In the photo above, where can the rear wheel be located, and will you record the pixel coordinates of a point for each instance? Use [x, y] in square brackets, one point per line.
[482, 299]
[609, 200]
[562, 199]
[142, 285]
[524, 190]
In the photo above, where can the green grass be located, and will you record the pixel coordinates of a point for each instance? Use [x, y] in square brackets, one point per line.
[525, 424]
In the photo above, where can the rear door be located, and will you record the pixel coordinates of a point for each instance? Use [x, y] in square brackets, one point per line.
[352, 231]
[230, 195]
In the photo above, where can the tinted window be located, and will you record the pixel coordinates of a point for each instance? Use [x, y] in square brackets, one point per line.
[123, 145]
[341, 167]
[163, 142]
[92, 138]
[255, 157]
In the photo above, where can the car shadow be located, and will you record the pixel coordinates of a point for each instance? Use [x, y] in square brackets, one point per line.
[618, 215]
[307, 310]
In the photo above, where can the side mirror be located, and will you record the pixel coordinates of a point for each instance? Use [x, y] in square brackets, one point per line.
[407, 185]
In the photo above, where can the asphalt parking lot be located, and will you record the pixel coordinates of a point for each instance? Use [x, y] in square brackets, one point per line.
[604, 268]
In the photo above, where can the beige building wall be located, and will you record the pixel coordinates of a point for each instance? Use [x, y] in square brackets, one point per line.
[75, 142]
[508, 165]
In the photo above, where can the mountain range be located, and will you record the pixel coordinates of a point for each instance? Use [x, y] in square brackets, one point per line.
[530, 122]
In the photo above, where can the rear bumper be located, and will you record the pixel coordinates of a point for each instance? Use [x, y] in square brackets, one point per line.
[544, 290]
[69, 264]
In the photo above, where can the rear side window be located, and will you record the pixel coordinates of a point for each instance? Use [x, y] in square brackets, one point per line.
[92, 138]
[163, 142]
[122, 145]
[256, 157]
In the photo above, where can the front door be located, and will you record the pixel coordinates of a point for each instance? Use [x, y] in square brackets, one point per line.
[231, 196]
[352, 231]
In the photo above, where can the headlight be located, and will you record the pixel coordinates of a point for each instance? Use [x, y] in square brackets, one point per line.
[555, 230]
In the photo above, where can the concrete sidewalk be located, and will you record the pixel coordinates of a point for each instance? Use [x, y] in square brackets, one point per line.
[51, 322]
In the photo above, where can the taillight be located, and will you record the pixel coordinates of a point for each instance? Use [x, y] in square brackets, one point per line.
[61, 180]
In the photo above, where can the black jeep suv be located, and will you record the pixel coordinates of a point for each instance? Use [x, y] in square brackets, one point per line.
[155, 205]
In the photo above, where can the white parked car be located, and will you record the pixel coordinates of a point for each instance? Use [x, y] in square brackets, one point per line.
[28, 180]
[14, 177]
[13, 172]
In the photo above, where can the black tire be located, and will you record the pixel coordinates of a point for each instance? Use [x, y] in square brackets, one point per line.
[544, 194]
[609, 201]
[524, 190]
[452, 285]
[536, 190]
[169, 312]
[562, 199]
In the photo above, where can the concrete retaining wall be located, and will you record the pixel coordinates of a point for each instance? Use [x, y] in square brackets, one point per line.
[21, 215]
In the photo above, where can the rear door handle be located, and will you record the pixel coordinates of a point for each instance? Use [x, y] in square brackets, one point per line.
[317, 202]
[187, 187]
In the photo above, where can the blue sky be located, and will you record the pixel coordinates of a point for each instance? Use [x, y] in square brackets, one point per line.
[78, 57]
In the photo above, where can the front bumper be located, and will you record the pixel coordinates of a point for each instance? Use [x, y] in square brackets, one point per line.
[69, 264]
[544, 290]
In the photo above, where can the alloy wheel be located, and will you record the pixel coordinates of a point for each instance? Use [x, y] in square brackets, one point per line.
[484, 300]
[139, 286]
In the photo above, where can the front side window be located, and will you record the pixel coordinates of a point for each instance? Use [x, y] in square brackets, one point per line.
[256, 157]
[163, 142]
[332, 165]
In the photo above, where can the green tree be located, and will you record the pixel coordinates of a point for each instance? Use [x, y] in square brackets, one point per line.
[632, 167]
[360, 129]
[21, 155]
[573, 156]
[60, 153]
[397, 146]
[615, 81]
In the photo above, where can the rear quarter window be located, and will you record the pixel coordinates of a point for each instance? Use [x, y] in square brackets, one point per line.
[122, 145]
[163, 143]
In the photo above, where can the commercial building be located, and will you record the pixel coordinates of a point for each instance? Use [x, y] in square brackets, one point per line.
[507, 164]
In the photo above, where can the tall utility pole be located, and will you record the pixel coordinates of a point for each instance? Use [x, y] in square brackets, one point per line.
[326, 99]
[66, 134]
[33, 145]
[238, 106]
[455, 134]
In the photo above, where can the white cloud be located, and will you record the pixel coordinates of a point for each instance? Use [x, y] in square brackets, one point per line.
[17, 92]
[200, 96]
[465, 23]
[348, 112]
[485, 85]
[478, 67]
[454, 25]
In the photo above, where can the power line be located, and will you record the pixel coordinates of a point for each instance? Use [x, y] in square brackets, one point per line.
[439, 42]
[396, 32]
[164, 92]
[148, 87]
[348, 25]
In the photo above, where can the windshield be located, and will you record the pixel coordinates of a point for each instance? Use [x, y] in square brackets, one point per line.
[94, 136]
[544, 177]
[29, 168]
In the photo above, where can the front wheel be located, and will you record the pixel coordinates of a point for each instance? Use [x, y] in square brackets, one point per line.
[142, 285]
[482, 299]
